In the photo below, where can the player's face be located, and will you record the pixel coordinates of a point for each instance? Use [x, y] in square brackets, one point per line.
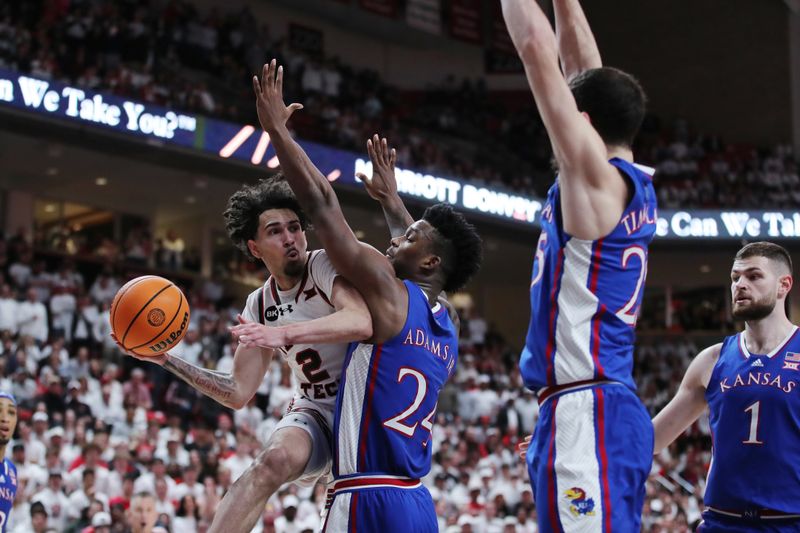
[410, 251]
[142, 514]
[280, 242]
[8, 420]
[755, 285]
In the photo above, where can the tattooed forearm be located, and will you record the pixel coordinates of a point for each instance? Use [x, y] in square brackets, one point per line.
[215, 385]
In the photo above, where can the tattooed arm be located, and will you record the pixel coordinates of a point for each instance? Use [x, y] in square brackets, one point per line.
[234, 389]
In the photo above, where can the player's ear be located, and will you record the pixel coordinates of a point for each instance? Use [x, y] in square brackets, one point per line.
[251, 245]
[431, 262]
[785, 284]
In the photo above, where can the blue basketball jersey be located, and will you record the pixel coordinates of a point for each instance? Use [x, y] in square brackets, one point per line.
[387, 397]
[585, 295]
[755, 423]
[8, 490]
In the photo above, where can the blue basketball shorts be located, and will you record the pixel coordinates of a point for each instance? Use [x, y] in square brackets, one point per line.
[590, 456]
[385, 504]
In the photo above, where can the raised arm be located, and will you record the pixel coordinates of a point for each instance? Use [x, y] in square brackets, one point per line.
[689, 402]
[593, 193]
[577, 47]
[382, 186]
[364, 266]
[350, 322]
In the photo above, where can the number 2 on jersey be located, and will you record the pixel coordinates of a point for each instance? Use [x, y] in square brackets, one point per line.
[310, 361]
[399, 422]
[630, 310]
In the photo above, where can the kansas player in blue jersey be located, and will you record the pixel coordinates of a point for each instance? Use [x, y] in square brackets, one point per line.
[749, 383]
[594, 438]
[8, 472]
[389, 388]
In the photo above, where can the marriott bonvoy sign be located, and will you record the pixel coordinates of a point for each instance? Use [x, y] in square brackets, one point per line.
[248, 144]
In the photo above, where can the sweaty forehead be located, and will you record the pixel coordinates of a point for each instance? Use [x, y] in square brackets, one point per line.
[280, 216]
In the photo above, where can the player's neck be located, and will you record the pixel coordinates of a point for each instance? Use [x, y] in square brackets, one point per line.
[621, 152]
[763, 336]
[3, 451]
[431, 291]
[285, 283]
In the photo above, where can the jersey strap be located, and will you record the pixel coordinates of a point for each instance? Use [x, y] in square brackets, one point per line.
[260, 298]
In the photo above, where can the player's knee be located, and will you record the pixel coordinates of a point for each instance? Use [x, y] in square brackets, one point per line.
[273, 465]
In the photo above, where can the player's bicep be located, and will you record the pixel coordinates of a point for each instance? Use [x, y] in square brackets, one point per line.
[689, 402]
[345, 296]
[250, 365]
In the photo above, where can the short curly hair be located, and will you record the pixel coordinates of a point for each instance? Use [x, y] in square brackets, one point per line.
[247, 204]
[458, 244]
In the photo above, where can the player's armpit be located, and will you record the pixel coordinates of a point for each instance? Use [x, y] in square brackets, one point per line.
[689, 402]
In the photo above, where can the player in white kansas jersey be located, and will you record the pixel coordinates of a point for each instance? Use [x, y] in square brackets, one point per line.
[306, 313]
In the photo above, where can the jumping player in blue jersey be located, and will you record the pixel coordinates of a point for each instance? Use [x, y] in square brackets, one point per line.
[594, 437]
[390, 387]
[8, 472]
[749, 383]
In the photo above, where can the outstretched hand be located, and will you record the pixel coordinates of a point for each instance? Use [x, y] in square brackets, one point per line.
[157, 359]
[383, 184]
[272, 112]
[252, 334]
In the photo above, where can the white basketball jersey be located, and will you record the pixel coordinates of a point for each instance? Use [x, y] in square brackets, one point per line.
[317, 367]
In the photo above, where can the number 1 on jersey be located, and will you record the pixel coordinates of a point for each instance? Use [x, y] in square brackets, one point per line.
[754, 412]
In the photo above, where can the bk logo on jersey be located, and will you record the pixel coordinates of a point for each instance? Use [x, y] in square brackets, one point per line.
[579, 504]
[272, 312]
[791, 361]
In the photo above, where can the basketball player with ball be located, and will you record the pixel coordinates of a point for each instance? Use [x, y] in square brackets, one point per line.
[305, 312]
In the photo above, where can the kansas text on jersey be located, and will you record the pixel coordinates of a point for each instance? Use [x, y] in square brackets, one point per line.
[585, 295]
[755, 425]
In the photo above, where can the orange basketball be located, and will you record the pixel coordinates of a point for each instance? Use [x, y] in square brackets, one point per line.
[149, 315]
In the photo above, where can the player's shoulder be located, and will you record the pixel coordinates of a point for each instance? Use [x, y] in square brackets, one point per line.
[711, 353]
[702, 367]
[318, 260]
[257, 292]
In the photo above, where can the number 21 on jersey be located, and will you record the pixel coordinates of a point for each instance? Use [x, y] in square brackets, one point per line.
[632, 257]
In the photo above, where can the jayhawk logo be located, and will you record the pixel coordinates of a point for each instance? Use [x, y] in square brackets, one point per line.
[579, 503]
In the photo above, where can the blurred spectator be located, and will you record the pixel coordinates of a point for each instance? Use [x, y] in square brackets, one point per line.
[137, 389]
[32, 317]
